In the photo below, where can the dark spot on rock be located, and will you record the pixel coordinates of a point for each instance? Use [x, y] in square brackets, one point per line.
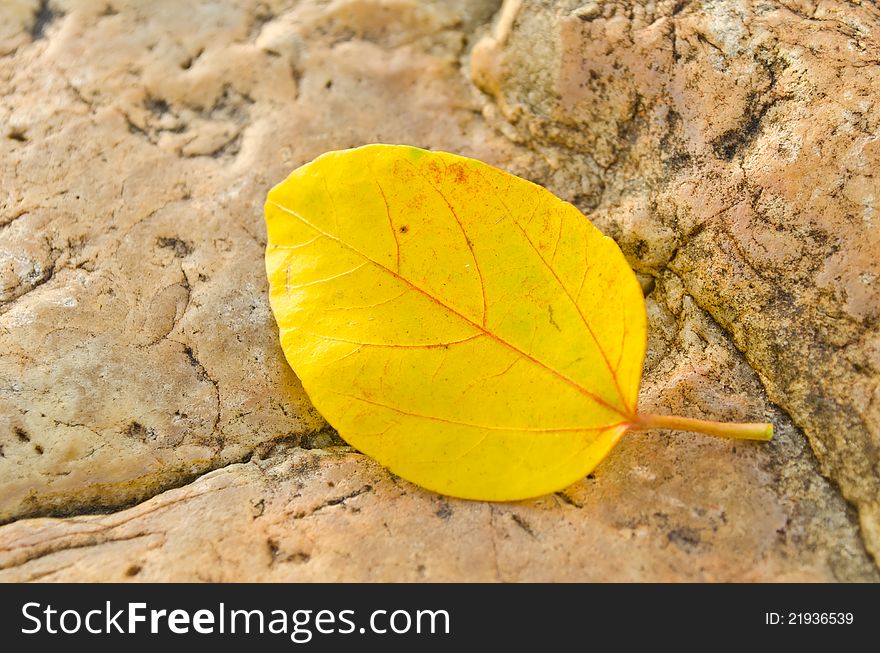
[136, 129]
[276, 554]
[187, 63]
[678, 161]
[201, 372]
[134, 570]
[158, 106]
[329, 84]
[784, 298]
[587, 201]
[728, 144]
[591, 476]
[21, 434]
[445, 511]
[304, 468]
[404, 229]
[274, 549]
[684, 538]
[569, 500]
[140, 432]
[662, 518]
[523, 524]
[181, 248]
[351, 495]
[45, 17]
[17, 134]
[38, 449]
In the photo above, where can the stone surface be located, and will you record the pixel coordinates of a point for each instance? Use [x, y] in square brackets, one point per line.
[735, 145]
[139, 349]
[664, 507]
[139, 352]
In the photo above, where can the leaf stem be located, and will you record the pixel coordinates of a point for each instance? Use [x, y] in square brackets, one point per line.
[750, 431]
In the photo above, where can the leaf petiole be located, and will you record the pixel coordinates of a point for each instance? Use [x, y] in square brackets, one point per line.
[747, 431]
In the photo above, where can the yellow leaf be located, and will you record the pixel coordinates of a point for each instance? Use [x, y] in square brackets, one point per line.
[464, 327]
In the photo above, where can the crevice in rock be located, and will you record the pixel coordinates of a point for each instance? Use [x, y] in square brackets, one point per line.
[43, 574]
[180, 247]
[73, 506]
[335, 501]
[43, 19]
[262, 16]
[850, 507]
[523, 523]
[89, 540]
[38, 277]
[326, 438]
[5, 223]
[203, 375]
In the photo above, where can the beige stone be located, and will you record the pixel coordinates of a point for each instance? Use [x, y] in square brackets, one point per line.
[139, 349]
[664, 507]
[139, 352]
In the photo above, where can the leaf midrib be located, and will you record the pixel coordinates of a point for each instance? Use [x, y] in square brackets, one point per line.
[464, 318]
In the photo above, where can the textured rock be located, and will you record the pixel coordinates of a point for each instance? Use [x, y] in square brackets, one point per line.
[735, 145]
[139, 352]
[662, 507]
